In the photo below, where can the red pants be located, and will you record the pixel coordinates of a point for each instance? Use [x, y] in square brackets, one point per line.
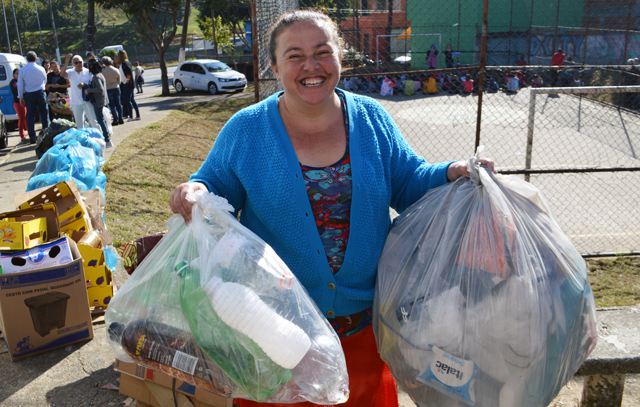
[21, 111]
[370, 380]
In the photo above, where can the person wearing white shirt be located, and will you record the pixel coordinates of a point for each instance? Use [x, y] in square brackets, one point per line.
[31, 82]
[82, 109]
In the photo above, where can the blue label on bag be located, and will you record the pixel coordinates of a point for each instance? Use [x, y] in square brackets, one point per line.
[450, 375]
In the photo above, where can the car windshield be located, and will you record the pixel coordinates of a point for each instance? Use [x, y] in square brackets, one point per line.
[217, 67]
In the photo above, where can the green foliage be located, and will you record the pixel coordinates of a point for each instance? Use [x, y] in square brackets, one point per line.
[223, 32]
[232, 12]
[111, 53]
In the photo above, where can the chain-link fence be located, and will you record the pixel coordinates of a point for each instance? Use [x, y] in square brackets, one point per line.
[581, 149]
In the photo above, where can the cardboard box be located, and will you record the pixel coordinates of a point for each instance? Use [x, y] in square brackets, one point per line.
[56, 253]
[92, 252]
[73, 219]
[97, 276]
[151, 386]
[47, 211]
[100, 296]
[22, 232]
[44, 309]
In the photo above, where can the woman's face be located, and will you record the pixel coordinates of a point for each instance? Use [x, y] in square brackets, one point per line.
[15, 74]
[307, 62]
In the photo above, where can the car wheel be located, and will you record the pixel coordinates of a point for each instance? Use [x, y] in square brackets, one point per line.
[213, 89]
[4, 135]
[179, 86]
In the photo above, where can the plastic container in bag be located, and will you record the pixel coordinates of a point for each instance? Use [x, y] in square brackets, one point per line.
[481, 299]
[214, 305]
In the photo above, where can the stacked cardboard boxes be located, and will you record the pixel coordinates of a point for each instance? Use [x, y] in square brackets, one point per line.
[52, 269]
[154, 388]
[75, 222]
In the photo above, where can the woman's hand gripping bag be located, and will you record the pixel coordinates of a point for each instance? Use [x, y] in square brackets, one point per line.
[214, 304]
[481, 299]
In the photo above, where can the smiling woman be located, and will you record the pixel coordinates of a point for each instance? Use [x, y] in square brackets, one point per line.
[313, 171]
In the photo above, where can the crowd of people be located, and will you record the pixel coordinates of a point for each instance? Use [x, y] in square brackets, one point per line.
[458, 82]
[84, 90]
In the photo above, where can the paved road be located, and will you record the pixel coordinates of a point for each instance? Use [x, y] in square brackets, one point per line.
[18, 161]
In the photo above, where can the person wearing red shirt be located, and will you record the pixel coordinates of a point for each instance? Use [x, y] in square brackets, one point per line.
[558, 58]
[556, 61]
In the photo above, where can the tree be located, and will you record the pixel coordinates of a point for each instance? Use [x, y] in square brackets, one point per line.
[155, 20]
[217, 32]
[232, 12]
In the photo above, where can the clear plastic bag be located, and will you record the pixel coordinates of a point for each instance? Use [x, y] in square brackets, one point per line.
[481, 299]
[214, 305]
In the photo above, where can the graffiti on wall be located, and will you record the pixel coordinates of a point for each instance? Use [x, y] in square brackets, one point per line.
[603, 48]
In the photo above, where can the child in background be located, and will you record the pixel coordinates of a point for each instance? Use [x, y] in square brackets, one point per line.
[386, 88]
[138, 70]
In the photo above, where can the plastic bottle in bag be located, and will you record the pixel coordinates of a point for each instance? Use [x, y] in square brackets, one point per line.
[241, 358]
[170, 350]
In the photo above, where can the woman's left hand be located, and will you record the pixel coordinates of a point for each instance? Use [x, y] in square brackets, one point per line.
[459, 168]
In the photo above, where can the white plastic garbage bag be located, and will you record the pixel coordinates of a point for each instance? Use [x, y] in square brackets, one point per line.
[213, 304]
[481, 299]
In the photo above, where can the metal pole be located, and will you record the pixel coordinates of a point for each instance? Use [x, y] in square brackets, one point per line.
[483, 66]
[35, 5]
[256, 58]
[15, 22]
[530, 126]
[55, 35]
[6, 26]
[529, 56]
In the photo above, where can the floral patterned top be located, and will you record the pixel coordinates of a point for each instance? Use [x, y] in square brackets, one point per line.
[329, 191]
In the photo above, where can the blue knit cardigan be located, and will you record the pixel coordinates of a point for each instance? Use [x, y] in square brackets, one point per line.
[253, 165]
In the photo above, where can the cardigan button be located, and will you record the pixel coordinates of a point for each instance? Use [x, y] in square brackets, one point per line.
[331, 286]
[330, 313]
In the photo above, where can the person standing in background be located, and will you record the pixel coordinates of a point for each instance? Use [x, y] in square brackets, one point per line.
[21, 111]
[128, 100]
[98, 97]
[31, 83]
[557, 60]
[78, 76]
[448, 56]
[138, 70]
[432, 57]
[113, 79]
[56, 83]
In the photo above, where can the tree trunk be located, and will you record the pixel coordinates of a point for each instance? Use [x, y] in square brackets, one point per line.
[185, 26]
[164, 77]
[91, 25]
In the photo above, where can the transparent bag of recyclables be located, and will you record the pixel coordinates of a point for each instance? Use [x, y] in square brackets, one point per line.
[214, 305]
[481, 299]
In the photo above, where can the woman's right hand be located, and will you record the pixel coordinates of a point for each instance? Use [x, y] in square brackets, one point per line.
[178, 200]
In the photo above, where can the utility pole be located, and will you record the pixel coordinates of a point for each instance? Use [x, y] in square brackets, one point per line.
[91, 24]
[55, 35]
[15, 22]
[6, 26]
[35, 5]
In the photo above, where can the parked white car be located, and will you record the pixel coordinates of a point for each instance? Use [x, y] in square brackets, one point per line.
[208, 74]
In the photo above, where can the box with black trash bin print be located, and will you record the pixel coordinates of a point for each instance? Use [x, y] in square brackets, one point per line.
[45, 308]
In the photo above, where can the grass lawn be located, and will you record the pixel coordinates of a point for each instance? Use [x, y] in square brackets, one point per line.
[146, 167]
